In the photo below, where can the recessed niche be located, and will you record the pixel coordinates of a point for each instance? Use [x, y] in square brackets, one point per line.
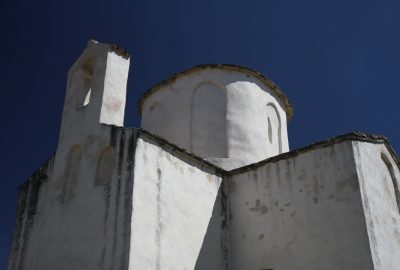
[71, 173]
[105, 166]
[82, 80]
[273, 129]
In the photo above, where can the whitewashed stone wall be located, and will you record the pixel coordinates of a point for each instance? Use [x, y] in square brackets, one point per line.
[379, 182]
[173, 202]
[77, 222]
[299, 212]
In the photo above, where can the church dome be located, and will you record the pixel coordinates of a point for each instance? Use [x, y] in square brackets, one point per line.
[228, 114]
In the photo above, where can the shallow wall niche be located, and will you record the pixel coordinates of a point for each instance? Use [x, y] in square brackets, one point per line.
[208, 126]
[273, 129]
[71, 173]
[393, 179]
[105, 166]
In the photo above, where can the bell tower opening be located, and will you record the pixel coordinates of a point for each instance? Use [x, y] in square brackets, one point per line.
[84, 78]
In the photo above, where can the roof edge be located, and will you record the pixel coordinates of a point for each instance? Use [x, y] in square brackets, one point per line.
[352, 137]
[348, 137]
[113, 47]
[40, 174]
[258, 75]
[175, 148]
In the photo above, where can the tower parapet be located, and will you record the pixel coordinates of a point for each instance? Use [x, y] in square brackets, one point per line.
[96, 89]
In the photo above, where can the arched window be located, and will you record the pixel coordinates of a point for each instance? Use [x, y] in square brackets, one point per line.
[71, 173]
[83, 85]
[208, 129]
[273, 129]
[390, 174]
[105, 166]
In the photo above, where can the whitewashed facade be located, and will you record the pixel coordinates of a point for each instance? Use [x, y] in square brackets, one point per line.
[208, 182]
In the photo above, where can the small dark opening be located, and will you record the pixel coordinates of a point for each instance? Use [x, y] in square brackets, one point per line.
[87, 86]
[83, 80]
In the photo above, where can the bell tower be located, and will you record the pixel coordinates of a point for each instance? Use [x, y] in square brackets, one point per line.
[96, 91]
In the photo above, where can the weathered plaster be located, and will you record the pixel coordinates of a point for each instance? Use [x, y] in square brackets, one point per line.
[90, 229]
[305, 205]
[303, 212]
[172, 205]
[29, 195]
[382, 215]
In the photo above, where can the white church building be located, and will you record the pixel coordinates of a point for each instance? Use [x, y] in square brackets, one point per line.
[207, 183]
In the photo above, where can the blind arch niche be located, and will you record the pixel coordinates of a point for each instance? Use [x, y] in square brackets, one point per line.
[71, 173]
[274, 129]
[208, 125]
[105, 166]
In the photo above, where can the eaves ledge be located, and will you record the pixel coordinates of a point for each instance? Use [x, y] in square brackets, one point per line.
[352, 136]
[230, 67]
[40, 174]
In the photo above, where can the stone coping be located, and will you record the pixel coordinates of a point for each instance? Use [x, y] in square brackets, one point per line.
[39, 175]
[115, 48]
[230, 67]
[352, 137]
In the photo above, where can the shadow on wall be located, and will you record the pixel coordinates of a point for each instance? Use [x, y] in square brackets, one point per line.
[211, 255]
[208, 121]
[274, 129]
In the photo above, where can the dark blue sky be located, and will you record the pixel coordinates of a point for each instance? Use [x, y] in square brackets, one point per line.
[337, 61]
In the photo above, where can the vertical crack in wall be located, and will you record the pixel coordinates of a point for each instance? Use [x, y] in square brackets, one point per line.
[114, 132]
[107, 194]
[159, 224]
[22, 203]
[117, 196]
[225, 239]
[32, 197]
[129, 182]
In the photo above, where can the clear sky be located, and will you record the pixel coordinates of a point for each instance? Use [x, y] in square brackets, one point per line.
[337, 61]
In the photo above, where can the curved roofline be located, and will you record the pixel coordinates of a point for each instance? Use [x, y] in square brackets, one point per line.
[261, 77]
